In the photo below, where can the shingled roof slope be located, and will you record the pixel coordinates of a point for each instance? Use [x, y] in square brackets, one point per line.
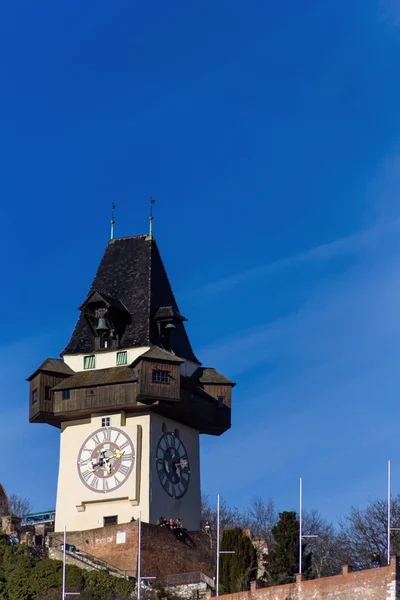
[98, 377]
[157, 353]
[208, 375]
[132, 272]
[53, 365]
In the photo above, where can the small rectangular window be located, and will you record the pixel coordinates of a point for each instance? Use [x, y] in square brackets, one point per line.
[122, 358]
[110, 521]
[66, 394]
[221, 401]
[105, 422]
[90, 392]
[160, 376]
[47, 392]
[35, 395]
[89, 362]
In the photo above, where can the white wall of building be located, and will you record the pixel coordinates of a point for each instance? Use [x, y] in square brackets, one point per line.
[104, 360]
[80, 508]
[188, 368]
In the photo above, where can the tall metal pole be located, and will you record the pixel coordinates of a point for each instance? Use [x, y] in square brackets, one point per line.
[139, 555]
[112, 222]
[301, 525]
[64, 562]
[388, 515]
[217, 583]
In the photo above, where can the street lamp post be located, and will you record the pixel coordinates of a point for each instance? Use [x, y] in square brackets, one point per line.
[64, 571]
[219, 551]
[301, 535]
[140, 577]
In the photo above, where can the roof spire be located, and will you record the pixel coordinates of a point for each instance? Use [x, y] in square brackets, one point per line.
[112, 220]
[150, 236]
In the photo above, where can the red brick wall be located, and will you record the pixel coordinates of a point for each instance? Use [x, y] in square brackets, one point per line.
[162, 553]
[371, 584]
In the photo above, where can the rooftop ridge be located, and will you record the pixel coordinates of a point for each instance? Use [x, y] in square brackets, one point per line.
[128, 237]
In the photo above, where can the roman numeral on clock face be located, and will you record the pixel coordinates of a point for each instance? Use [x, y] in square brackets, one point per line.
[86, 475]
[106, 435]
[172, 465]
[102, 463]
[124, 470]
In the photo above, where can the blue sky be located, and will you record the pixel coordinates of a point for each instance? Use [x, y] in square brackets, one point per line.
[269, 134]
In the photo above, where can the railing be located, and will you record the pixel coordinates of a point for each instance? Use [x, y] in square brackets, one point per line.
[91, 560]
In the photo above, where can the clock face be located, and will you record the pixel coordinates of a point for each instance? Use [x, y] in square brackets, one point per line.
[106, 460]
[172, 465]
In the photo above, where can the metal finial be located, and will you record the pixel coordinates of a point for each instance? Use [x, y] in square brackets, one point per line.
[112, 220]
[150, 236]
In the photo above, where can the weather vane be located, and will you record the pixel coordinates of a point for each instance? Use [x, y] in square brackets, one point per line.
[150, 236]
[112, 220]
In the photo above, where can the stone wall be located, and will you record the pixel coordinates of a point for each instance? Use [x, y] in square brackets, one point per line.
[371, 584]
[162, 553]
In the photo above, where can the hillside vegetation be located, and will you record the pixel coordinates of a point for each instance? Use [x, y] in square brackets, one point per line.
[23, 576]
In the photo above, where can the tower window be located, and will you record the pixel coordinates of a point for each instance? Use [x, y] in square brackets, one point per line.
[122, 358]
[221, 401]
[89, 362]
[160, 376]
[105, 422]
[66, 394]
[110, 521]
[47, 392]
[35, 395]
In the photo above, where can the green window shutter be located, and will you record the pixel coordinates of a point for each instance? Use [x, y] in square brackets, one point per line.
[89, 362]
[122, 358]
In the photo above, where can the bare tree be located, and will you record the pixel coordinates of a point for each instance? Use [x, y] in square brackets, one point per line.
[229, 518]
[19, 506]
[364, 531]
[327, 551]
[261, 518]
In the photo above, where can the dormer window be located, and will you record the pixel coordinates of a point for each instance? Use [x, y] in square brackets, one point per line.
[122, 358]
[89, 362]
[107, 318]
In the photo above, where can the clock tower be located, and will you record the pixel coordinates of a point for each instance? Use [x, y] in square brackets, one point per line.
[130, 399]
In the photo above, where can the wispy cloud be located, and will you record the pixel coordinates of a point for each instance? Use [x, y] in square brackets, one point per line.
[390, 11]
[342, 246]
[318, 386]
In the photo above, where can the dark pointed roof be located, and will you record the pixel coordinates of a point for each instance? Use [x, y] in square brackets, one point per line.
[132, 273]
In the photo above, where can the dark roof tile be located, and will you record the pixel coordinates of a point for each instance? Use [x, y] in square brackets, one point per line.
[95, 377]
[132, 273]
[157, 353]
[53, 365]
[208, 375]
